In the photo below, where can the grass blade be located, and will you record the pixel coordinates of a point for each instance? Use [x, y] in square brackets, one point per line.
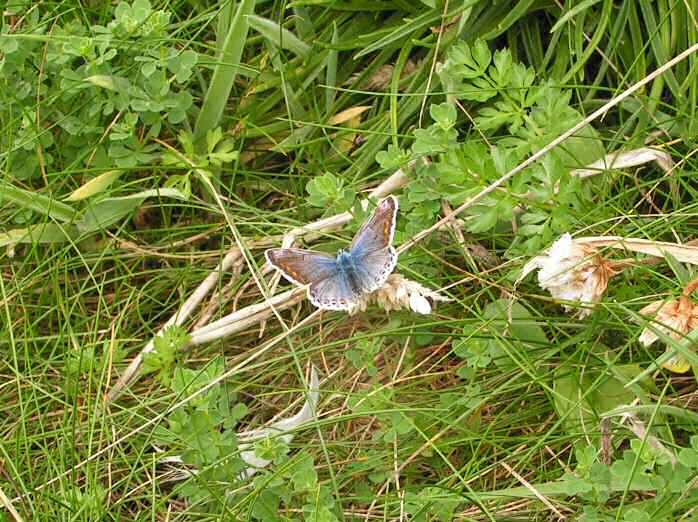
[224, 73]
[279, 36]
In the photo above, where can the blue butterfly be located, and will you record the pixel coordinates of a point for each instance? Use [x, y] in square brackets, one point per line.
[337, 283]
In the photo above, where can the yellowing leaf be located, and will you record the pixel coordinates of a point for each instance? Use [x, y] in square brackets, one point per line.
[113, 83]
[94, 186]
[348, 114]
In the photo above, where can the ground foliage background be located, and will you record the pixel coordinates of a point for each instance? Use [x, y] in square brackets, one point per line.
[140, 141]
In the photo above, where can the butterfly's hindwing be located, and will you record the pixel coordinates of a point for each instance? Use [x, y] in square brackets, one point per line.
[374, 268]
[333, 293]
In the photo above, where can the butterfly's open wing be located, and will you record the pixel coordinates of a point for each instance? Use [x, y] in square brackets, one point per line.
[329, 288]
[300, 266]
[374, 256]
[377, 233]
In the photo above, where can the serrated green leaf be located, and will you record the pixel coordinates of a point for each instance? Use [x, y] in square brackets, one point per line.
[481, 54]
[443, 114]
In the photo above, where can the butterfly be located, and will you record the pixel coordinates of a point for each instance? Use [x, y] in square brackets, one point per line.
[338, 282]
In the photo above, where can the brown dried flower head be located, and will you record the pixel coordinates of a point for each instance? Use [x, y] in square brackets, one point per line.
[675, 318]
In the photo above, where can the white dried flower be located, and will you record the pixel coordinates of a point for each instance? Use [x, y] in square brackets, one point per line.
[675, 318]
[397, 293]
[573, 272]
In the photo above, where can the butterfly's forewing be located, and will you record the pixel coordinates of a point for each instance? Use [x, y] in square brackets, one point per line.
[373, 255]
[377, 232]
[302, 266]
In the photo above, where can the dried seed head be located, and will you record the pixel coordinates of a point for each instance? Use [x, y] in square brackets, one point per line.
[397, 293]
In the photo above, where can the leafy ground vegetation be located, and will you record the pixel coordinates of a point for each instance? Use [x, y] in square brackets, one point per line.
[144, 143]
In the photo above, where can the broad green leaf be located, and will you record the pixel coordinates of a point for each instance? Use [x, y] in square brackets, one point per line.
[41, 233]
[522, 326]
[610, 393]
[266, 506]
[280, 36]
[582, 407]
[40, 203]
[108, 211]
[583, 148]
[569, 404]
[94, 186]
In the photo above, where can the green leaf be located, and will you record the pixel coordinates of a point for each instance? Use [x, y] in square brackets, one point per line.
[481, 54]
[95, 186]
[279, 35]
[575, 9]
[568, 402]
[328, 191]
[106, 212]
[304, 476]
[444, 115]
[331, 72]
[37, 202]
[266, 506]
[40, 233]
[187, 381]
[510, 326]
[392, 158]
[433, 140]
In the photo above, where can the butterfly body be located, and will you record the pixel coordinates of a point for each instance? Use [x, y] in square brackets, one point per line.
[338, 282]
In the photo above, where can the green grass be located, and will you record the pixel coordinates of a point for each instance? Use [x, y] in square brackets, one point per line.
[490, 408]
